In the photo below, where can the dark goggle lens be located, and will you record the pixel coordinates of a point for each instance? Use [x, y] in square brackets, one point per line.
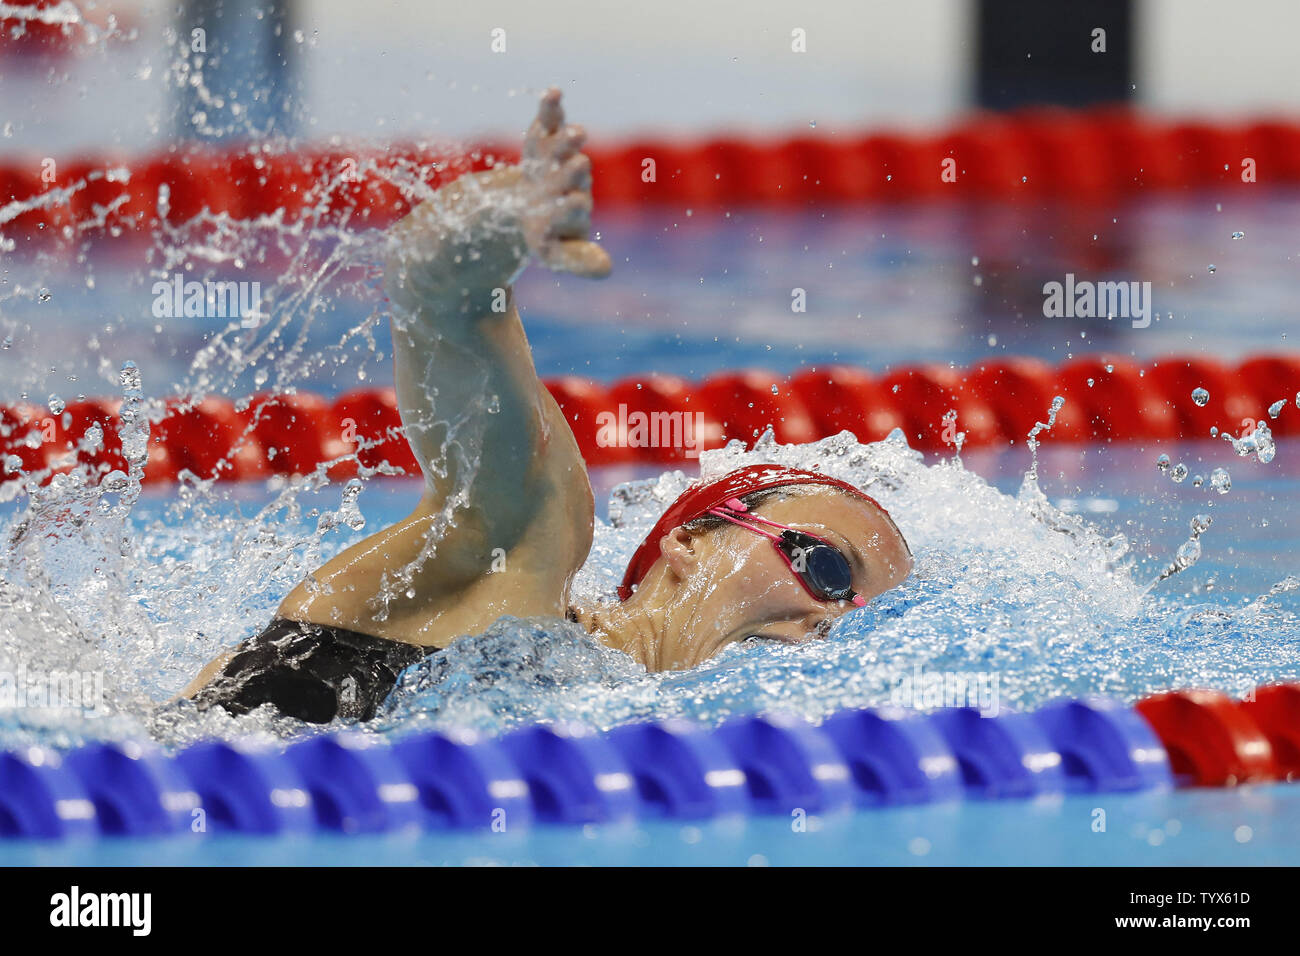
[826, 572]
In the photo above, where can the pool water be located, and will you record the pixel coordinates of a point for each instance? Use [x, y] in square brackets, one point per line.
[1046, 607]
[697, 291]
[1245, 826]
[1053, 595]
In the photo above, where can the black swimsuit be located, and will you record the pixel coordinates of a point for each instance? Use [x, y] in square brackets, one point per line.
[313, 672]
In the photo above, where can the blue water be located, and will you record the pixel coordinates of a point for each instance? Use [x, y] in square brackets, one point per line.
[697, 291]
[693, 292]
[996, 589]
[1255, 535]
[1242, 827]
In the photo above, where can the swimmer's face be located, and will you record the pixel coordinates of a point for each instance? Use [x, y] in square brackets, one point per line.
[731, 584]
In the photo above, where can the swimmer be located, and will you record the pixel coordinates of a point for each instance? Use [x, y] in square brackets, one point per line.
[764, 552]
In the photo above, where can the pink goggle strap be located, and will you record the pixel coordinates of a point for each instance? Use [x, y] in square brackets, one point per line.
[735, 504]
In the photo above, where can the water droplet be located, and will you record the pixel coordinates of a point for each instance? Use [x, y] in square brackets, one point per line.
[45, 295]
[115, 482]
[1200, 396]
[1091, 382]
[1162, 464]
[1275, 409]
[974, 260]
[1198, 480]
[1265, 447]
[93, 439]
[129, 377]
[1239, 235]
[57, 405]
[1212, 268]
[1221, 481]
[1189, 552]
[1200, 524]
[1179, 473]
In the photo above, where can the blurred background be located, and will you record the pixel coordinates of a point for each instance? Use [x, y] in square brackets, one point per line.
[390, 68]
[695, 289]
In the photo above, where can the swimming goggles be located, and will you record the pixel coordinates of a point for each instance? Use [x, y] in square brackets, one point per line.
[820, 567]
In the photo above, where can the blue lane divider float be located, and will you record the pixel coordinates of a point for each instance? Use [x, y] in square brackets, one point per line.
[41, 798]
[681, 770]
[894, 757]
[564, 774]
[245, 788]
[465, 781]
[573, 775]
[136, 789]
[1007, 755]
[788, 764]
[1104, 746]
[356, 784]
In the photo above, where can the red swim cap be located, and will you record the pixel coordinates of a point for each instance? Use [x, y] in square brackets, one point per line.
[699, 498]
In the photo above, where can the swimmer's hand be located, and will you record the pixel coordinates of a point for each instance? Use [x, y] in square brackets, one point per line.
[456, 251]
[555, 185]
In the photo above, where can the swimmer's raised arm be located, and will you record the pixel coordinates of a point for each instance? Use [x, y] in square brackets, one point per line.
[494, 448]
[506, 518]
[458, 340]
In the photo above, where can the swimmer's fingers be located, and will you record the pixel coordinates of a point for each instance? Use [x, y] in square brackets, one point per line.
[576, 173]
[570, 216]
[559, 165]
[550, 117]
[558, 177]
[566, 247]
[570, 140]
[578, 256]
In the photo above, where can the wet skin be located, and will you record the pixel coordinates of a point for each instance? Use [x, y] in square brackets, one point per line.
[723, 585]
[506, 534]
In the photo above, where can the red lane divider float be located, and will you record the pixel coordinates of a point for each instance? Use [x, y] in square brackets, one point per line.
[1276, 710]
[663, 419]
[1214, 741]
[1087, 156]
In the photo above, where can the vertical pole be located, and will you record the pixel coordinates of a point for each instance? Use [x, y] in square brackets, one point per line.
[1042, 52]
[238, 81]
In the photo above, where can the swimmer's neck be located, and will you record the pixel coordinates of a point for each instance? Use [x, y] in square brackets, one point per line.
[626, 627]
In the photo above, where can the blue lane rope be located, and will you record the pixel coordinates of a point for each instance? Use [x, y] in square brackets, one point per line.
[566, 774]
